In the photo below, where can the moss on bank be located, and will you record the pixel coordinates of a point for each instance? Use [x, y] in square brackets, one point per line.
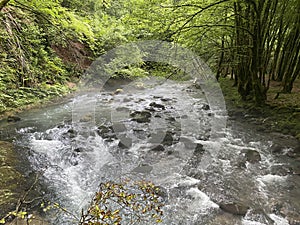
[11, 179]
[278, 115]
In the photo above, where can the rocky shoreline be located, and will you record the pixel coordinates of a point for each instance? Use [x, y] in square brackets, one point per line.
[273, 117]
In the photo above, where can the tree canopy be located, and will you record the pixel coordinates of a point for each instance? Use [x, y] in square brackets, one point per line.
[43, 42]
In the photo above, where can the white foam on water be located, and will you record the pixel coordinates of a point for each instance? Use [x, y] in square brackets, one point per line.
[74, 181]
[270, 179]
[47, 147]
[240, 147]
[201, 202]
[278, 220]
[185, 181]
[250, 222]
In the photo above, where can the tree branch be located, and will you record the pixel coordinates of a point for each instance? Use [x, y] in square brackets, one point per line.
[179, 6]
[200, 11]
[217, 25]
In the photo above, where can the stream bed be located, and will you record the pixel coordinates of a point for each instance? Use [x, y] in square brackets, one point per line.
[168, 134]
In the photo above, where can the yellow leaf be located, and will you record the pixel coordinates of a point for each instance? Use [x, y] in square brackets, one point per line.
[116, 212]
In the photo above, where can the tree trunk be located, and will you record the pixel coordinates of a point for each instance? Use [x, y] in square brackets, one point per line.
[219, 71]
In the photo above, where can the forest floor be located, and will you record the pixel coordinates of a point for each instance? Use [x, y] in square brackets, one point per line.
[280, 115]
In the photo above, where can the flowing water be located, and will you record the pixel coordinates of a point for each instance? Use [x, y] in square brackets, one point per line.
[75, 145]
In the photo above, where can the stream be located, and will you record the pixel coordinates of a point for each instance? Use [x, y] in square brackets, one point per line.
[165, 133]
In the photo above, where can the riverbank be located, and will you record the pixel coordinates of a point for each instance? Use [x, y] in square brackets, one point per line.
[64, 94]
[281, 115]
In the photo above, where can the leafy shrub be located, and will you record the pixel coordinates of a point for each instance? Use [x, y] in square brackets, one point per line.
[124, 203]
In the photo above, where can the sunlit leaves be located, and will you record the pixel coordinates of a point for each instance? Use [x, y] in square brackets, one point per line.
[128, 202]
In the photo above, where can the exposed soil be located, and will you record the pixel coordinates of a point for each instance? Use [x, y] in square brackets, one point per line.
[74, 53]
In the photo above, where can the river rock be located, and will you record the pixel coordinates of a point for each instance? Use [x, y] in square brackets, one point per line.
[199, 149]
[252, 156]
[125, 142]
[139, 85]
[224, 218]
[127, 99]
[277, 149]
[13, 119]
[184, 117]
[205, 107]
[168, 139]
[162, 192]
[78, 150]
[74, 158]
[166, 99]
[86, 118]
[295, 170]
[293, 219]
[71, 133]
[122, 109]
[103, 131]
[156, 105]
[119, 127]
[188, 143]
[156, 138]
[295, 153]
[158, 148]
[118, 91]
[141, 116]
[280, 170]
[234, 208]
[144, 168]
[151, 109]
[171, 119]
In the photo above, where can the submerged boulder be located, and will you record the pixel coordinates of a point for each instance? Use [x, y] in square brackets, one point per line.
[157, 105]
[188, 143]
[234, 208]
[158, 148]
[103, 131]
[119, 127]
[205, 107]
[125, 142]
[141, 116]
[13, 119]
[168, 139]
[252, 156]
[144, 168]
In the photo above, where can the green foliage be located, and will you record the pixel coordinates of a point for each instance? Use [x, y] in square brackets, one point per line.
[115, 203]
[27, 61]
[36, 35]
[126, 202]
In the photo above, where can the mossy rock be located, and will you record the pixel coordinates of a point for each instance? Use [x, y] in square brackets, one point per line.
[11, 179]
